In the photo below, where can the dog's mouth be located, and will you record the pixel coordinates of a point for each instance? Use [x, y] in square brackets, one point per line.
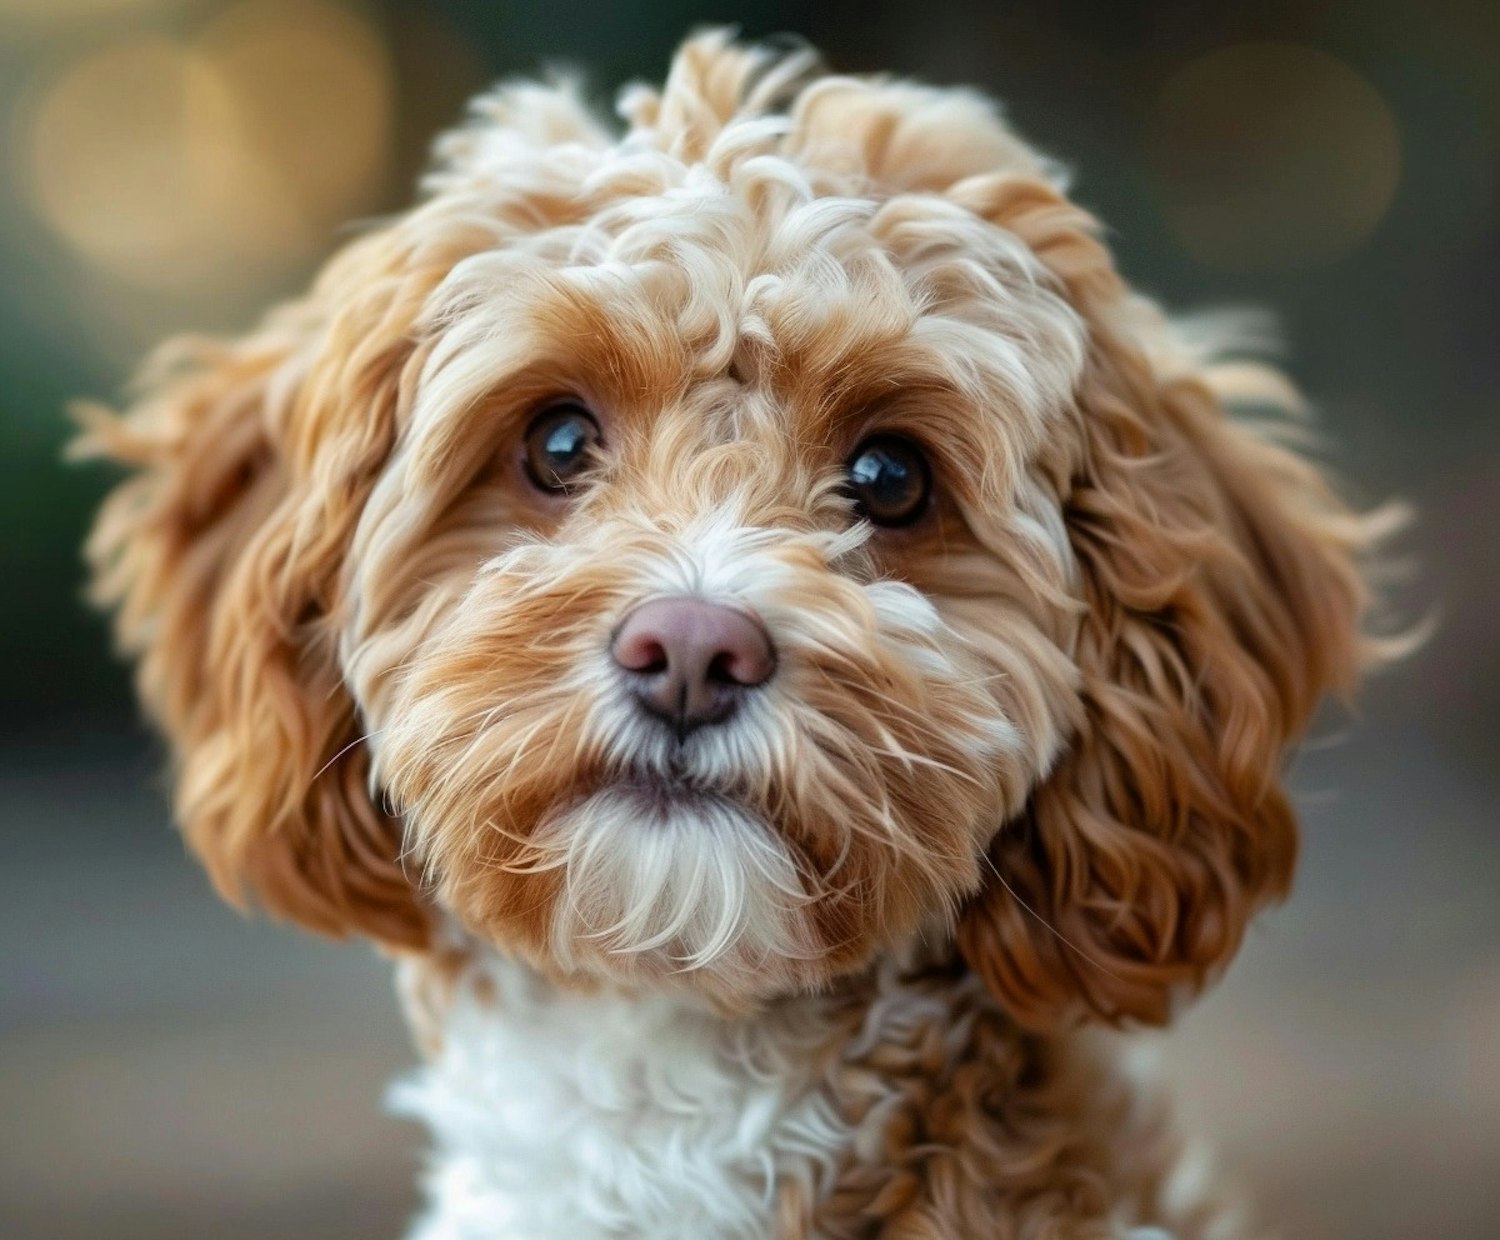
[658, 796]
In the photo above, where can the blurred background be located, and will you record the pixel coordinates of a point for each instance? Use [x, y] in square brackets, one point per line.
[168, 1069]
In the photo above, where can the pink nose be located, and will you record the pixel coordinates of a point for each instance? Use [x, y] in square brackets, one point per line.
[691, 661]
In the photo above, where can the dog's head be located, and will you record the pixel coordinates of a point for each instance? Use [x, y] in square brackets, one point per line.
[719, 555]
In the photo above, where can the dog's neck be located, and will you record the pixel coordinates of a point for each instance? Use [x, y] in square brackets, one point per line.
[565, 1114]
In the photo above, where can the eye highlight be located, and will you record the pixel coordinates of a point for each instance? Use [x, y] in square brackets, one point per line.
[561, 444]
[890, 480]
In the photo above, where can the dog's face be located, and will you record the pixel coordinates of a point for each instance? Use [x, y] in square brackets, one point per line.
[716, 558]
[715, 607]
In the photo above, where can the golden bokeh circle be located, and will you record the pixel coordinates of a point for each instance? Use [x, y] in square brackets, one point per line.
[1272, 155]
[314, 87]
[216, 163]
[25, 15]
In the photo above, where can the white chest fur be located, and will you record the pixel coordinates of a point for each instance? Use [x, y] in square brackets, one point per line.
[558, 1115]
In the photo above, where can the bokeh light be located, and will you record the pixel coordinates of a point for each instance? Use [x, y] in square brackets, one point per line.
[315, 95]
[43, 15]
[179, 166]
[1272, 155]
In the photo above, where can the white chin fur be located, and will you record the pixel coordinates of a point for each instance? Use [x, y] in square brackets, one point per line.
[690, 887]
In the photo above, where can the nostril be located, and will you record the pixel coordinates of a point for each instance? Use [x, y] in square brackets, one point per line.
[746, 659]
[721, 669]
[640, 652]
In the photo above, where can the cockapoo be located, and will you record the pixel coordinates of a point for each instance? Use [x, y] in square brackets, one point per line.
[771, 636]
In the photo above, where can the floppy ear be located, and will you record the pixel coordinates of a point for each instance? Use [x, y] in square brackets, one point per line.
[222, 554]
[1222, 598]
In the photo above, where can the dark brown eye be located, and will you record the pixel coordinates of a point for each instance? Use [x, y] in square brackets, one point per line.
[560, 446]
[889, 480]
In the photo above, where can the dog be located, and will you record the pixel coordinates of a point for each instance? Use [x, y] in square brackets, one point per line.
[772, 636]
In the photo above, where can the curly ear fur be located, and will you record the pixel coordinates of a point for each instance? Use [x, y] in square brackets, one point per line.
[222, 554]
[1222, 600]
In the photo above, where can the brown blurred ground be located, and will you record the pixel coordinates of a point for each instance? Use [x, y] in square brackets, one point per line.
[168, 1070]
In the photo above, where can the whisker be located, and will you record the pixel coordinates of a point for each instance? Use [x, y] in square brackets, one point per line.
[1047, 925]
[357, 741]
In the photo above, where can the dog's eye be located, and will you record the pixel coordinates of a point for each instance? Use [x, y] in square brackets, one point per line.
[560, 445]
[889, 480]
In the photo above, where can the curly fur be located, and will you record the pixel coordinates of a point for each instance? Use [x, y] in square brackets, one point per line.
[1020, 764]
